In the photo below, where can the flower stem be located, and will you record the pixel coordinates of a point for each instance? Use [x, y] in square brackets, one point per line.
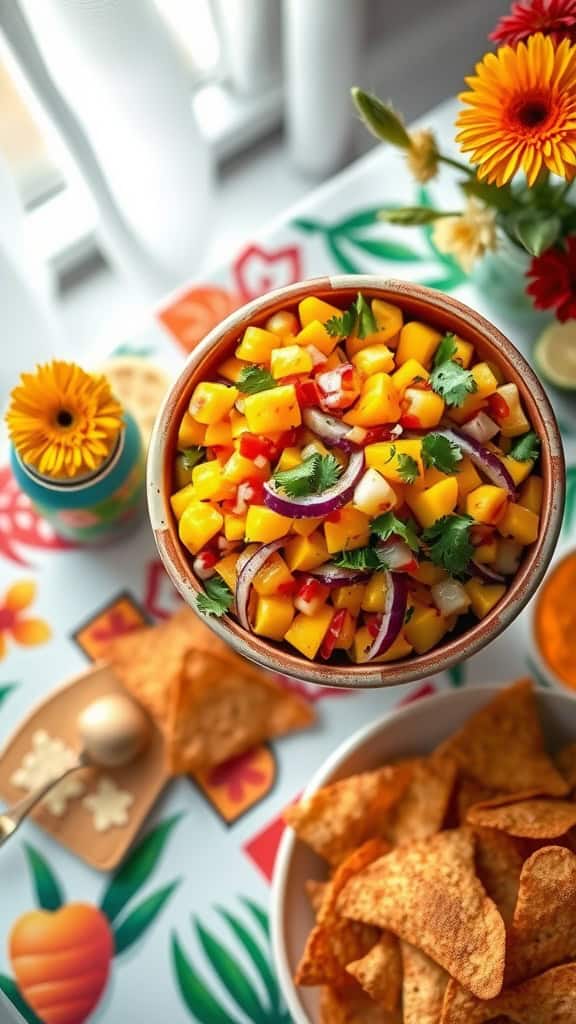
[450, 162]
[563, 192]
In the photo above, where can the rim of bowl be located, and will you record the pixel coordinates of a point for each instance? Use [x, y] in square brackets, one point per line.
[445, 312]
[322, 776]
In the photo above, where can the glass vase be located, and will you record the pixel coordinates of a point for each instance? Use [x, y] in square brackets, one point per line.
[500, 277]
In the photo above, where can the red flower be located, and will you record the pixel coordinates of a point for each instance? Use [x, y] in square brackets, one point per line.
[555, 18]
[554, 280]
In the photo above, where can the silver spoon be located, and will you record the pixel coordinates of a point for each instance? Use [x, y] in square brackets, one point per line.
[113, 730]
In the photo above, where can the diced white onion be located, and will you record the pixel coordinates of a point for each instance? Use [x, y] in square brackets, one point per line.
[508, 557]
[481, 427]
[373, 494]
[450, 597]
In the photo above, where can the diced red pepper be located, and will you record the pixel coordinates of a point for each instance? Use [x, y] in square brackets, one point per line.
[288, 588]
[373, 624]
[333, 633]
[308, 588]
[498, 407]
[375, 434]
[221, 452]
[310, 595]
[251, 446]
[333, 517]
[410, 422]
[481, 533]
[308, 393]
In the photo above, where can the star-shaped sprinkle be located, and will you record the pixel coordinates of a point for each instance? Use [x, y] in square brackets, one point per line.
[47, 759]
[109, 805]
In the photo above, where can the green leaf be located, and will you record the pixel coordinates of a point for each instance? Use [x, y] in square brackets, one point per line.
[380, 119]
[259, 915]
[192, 456]
[395, 252]
[446, 350]
[341, 259]
[12, 992]
[361, 219]
[388, 525]
[217, 598]
[452, 383]
[254, 379]
[139, 920]
[196, 995]
[449, 543]
[412, 216]
[499, 198]
[359, 558]
[365, 317]
[231, 976]
[439, 452]
[5, 691]
[310, 227]
[49, 895]
[136, 870]
[341, 326]
[536, 232]
[407, 468]
[526, 448]
[257, 957]
[314, 475]
[359, 316]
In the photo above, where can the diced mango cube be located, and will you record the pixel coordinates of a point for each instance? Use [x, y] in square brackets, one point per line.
[428, 573]
[518, 470]
[399, 649]
[198, 524]
[230, 369]
[471, 404]
[273, 410]
[227, 569]
[304, 527]
[486, 553]
[430, 505]
[417, 341]
[273, 574]
[374, 359]
[486, 380]
[209, 482]
[256, 345]
[308, 631]
[464, 352]
[531, 494]
[219, 434]
[190, 432]
[238, 423]
[378, 403]
[516, 422]
[363, 641]
[306, 553]
[264, 525]
[347, 632]
[211, 402]
[312, 308]
[410, 373]
[349, 597]
[289, 458]
[350, 529]
[293, 359]
[316, 334]
[487, 503]
[425, 628]
[519, 523]
[238, 468]
[426, 407]
[385, 457]
[467, 478]
[483, 596]
[180, 499]
[273, 617]
[389, 319]
[374, 597]
[234, 526]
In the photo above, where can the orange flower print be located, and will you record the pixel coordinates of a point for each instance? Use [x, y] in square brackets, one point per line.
[16, 626]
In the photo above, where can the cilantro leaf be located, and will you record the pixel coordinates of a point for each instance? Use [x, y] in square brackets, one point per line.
[388, 524]
[253, 379]
[449, 543]
[526, 448]
[452, 383]
[312, 476]
[446, 349]
[439, 452]
[217, 598]
[359, 315]
[407, 468]
[192, 456]
[409, 613]
[360, 558]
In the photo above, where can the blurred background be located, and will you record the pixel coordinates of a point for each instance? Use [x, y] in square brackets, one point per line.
[144, 141]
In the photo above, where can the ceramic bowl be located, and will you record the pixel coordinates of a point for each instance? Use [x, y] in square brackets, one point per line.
[413, 730]
[446, 314]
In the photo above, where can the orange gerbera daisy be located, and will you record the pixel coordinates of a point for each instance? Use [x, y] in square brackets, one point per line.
[13, 624]
[522, 112]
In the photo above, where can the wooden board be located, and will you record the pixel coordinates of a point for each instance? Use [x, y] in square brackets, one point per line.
[144, 778]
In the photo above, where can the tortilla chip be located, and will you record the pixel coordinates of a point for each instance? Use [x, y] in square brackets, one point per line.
[502, 746]
[549, 998]
[379, 973]
[468, 793]
[219, 712]
[334, 941]
[499, 860]
[423, 987]
[315, 892]
[422, 808]
[339, 817]
[428, 894]
[353, 1006]
[543, 932]
[565, 761]
[529, 819]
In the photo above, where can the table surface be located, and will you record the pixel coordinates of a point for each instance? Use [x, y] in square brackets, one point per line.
[190, 908]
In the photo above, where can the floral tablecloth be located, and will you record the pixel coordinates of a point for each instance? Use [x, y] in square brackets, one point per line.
[189, 909]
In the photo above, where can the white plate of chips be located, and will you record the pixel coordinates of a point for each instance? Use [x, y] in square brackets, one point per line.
[452, 874]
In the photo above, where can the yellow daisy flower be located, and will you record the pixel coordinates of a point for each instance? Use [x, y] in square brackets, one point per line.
[467, 236]
[522, 112]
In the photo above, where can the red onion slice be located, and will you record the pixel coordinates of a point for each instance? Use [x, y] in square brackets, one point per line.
[246, 577]
[317, 504]
[336, 576]
[482, 458]
[397, 555]
[327, 427]
[481, 428]
[486, 574]
[392, 616]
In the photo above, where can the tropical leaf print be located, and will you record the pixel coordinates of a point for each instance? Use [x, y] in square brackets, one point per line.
[49, 895]
[536, 674]
[5, 691]
[12, 992]
[242, 978]
[140, 919]
[451, 275]
[457, 674]
[136, 870]
[570, 506]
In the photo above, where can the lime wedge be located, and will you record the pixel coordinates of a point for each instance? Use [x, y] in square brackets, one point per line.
[555, 355]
